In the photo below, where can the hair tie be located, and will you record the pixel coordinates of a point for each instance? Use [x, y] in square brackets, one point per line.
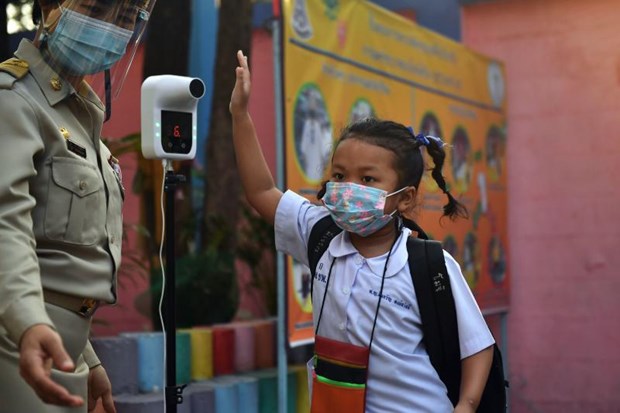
[420, 138]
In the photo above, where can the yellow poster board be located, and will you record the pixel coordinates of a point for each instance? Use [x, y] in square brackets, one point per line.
[348, 59]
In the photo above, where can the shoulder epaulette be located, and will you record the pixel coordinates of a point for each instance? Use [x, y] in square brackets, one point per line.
[17, 68]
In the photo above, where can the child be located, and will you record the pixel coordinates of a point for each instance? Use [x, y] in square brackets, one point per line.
[367, 320]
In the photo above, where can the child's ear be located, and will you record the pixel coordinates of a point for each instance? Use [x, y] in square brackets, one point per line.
[407, 200]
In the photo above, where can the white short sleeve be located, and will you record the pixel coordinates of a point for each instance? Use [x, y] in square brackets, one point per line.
[295, 217]
[474, 334]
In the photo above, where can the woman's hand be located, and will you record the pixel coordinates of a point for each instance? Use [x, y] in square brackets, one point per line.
[40, 347]
[99, 387]
[241, 93]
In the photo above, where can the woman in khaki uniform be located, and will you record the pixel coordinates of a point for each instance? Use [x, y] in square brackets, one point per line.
[60, 204]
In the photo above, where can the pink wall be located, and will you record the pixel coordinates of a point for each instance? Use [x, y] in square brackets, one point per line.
[563, 75]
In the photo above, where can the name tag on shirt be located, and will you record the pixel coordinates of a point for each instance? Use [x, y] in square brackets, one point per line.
[76, 149]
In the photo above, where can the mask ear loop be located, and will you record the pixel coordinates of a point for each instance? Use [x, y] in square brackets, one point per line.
[45, 30]
[395, 212]
[398, 191]
[399, 220]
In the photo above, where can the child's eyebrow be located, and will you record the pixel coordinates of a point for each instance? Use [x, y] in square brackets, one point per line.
[369, 168]
[363, 168]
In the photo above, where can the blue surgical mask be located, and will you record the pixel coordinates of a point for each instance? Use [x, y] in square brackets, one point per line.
[82, 45]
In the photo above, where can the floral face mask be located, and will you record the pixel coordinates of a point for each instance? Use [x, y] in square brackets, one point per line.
[357, 208]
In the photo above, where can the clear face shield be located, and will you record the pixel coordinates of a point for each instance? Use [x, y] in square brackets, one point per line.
[92, 37]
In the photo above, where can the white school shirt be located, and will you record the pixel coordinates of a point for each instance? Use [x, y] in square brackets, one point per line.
[401, 377]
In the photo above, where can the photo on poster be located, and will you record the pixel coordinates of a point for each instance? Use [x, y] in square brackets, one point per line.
[461, 160]
[312, 133]
[300, 21]
[495, 146]
[470, 262]
[449, 244]
[302, 279]
[497, 260]
[496, 84]
[430, 126]
[361, 109]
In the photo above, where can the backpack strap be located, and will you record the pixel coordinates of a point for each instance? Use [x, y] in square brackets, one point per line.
[437, 311]
[321, 235]
[413, 226]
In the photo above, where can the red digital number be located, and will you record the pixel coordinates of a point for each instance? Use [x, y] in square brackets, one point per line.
[176, 132]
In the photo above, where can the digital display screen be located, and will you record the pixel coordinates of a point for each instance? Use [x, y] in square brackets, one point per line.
[176, 131]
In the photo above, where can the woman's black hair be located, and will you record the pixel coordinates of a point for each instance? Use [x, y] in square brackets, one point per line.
[409, 162]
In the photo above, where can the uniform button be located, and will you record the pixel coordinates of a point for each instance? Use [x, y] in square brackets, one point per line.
[112, 239]
[342, 326]
[359, 260]
[82, 185]
[346, 291]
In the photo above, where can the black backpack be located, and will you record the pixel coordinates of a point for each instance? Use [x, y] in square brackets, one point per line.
[437, 311]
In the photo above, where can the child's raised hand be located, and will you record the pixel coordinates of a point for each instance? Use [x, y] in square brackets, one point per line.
[241, 93]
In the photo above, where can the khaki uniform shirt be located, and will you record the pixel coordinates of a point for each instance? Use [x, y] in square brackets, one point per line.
[60, 195]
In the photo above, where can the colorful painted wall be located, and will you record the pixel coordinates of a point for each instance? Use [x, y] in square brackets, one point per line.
[563, 72]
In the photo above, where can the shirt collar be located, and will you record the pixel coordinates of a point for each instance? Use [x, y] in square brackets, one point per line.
[52, 85]
[341, 246]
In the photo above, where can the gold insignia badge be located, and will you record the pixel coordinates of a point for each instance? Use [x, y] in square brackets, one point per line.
[65, 133]
[16, 67]
[56, 83]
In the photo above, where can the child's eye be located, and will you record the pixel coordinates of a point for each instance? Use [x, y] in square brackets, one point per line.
[368, 179]
[336, 176]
